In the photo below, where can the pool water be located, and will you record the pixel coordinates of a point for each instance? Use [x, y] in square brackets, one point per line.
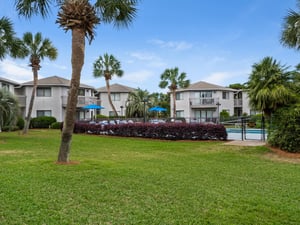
[251, 134]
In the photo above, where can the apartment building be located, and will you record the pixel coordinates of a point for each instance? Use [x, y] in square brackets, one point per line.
[119, 95]
[51, 97]
[203, 102]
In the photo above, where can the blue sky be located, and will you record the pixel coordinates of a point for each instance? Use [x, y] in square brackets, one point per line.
[211, 40]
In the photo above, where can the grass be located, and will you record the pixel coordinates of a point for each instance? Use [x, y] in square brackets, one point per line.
[137, 181]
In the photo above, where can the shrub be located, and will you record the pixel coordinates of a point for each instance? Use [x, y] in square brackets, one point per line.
[56, 125]
[20, 123]
[42, 121]
[100, 116]
[285, 130]
[169, 131]
[10, 128]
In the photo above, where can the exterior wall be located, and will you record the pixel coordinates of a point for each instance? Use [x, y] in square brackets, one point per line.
[107, 108]
[193, 109]
[8, 86]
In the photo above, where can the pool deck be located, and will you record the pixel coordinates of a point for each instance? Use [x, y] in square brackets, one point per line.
[246, 143]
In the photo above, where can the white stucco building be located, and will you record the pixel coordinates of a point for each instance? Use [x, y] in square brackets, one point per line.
[202, 102]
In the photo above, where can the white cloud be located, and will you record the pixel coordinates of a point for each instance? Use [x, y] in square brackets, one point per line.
[175, 45]
[17, 72]
[138, 76]
[226, 78]
[151, 59]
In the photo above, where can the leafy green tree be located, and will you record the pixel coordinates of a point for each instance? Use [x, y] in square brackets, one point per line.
[269, 86]
[9, 109]
[108, 66]
[173, 80]
[37, 49]
[237, 86]
[9, 44]
[136, 102]
[81, 17]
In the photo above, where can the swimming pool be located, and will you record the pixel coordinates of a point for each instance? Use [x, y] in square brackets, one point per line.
[236, 134]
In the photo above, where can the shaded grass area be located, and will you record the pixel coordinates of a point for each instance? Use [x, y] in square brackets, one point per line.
[138, 181]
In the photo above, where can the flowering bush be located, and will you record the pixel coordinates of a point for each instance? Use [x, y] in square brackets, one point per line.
[167, 131]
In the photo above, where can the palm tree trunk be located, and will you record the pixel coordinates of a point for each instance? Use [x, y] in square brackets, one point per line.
[174, 103]
[27, 121]
[109, 97]
[78, 47]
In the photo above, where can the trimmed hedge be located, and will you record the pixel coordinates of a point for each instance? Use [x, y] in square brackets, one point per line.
[166, 131]
[42, 122]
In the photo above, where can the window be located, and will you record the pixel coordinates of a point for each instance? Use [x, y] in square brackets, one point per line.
[111, 113]
[179, 96]
[203, 94]
[5, 87]
[115, 96]
[43, 113]
[225, 95]
[43, 92]
[179, 113]
[81, 92]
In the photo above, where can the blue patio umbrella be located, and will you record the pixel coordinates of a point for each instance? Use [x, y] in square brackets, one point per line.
[157, 109]
[93, 106]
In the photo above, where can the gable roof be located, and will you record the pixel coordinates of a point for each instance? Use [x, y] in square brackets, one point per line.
[205, 86]
[55, 81]
[116, 88]
[8, 81]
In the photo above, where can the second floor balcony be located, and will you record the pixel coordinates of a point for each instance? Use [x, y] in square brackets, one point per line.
[82, 101]
[238, 102]
[204, 102]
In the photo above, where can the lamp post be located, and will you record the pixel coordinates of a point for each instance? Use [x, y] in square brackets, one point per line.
[218, 116]
[121, 110]
[145, 101]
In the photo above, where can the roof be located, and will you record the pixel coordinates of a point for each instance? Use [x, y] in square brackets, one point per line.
[116, 88]
[9, 81]
[54, 81]
[205, 86]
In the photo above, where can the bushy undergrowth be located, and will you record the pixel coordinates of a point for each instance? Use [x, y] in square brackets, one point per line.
[42, 122]
[167, 131]
[285, 130]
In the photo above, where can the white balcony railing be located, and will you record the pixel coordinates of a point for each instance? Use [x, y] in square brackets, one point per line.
[82, 100]
[203, 102]
[21, 100]
[238, 102]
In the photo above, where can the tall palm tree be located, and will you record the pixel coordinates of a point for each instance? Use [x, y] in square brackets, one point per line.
[269, 86]
[137, 103]
[81, 18]
[290, 36]
[9, 44]
[37, 49]
[106, 67]
[8, 108]
[173, 80]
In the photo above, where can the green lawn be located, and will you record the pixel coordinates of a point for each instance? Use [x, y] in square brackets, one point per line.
[137, 181]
